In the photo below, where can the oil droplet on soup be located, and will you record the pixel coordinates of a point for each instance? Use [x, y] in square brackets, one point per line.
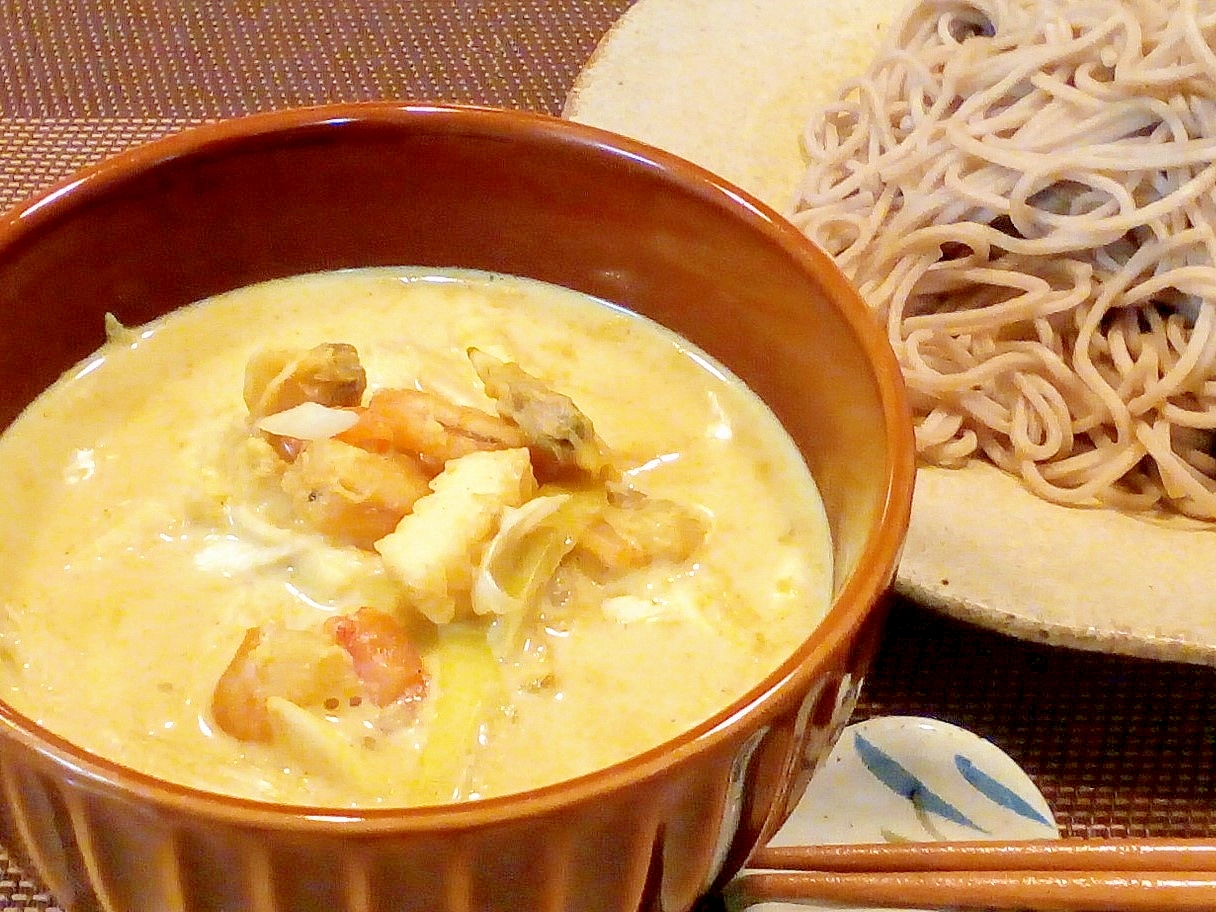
[393, 536]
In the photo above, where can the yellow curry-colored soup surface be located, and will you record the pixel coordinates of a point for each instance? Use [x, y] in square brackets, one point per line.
[159, 535]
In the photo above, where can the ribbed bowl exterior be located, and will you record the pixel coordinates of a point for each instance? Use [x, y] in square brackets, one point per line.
[657, 844]
[380, 184]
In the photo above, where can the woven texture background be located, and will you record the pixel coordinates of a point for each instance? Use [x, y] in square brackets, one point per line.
[1118, 746]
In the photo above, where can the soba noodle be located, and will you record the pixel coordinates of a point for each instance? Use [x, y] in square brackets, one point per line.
[1024, 192]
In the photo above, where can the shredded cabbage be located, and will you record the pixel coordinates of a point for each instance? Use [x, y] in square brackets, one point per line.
[522, 557]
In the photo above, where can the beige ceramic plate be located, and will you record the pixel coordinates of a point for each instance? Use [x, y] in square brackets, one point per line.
[728, 84]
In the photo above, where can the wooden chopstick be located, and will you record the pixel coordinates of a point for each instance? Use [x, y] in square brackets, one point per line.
[1020, 855]
[1060, 891]
[1071, 875]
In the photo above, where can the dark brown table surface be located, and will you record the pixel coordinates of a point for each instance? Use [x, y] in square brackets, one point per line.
[1120, 747]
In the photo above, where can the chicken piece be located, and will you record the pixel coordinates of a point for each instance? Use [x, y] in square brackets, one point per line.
[635, 530]
[434, 550]
[351, 495]
[278, 379]
[562, 439]
[427, 425]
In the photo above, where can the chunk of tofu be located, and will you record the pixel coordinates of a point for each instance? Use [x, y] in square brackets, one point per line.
[434, 550]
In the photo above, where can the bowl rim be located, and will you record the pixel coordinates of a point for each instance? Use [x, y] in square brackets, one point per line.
[876, 564]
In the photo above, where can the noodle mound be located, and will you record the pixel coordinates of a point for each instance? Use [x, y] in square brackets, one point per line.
[1024, 192]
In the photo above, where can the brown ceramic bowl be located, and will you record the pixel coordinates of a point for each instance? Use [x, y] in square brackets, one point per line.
[278, 194]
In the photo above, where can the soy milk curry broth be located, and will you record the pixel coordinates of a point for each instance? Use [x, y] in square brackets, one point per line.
[392, 537]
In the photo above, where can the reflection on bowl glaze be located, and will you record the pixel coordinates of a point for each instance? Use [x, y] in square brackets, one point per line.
[911, 779]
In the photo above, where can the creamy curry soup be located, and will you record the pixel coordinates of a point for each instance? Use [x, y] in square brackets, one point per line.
[390, 537]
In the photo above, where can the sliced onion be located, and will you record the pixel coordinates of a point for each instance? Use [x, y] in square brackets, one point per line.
[309, 421]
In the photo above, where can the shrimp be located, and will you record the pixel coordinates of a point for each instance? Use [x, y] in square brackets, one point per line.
[367, 655]
[562, 439]
[306, 667]
[386, 662]
[428, 426]
[635, 530]
[350, 494]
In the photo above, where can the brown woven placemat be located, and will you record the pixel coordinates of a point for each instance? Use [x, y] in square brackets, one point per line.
[212, 58]
[81, 79]
[1118, 746]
